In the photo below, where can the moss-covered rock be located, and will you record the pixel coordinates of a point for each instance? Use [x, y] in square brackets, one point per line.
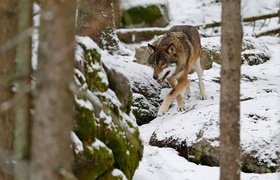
[95, 160]
[85, 123]
[104, 122]
[152, 15]
[94, 73]
[127, 152]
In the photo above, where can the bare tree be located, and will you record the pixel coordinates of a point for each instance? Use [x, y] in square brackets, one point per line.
[98, 19]
[8, 24]
[22, 120]
[230, 91]
[53, 120]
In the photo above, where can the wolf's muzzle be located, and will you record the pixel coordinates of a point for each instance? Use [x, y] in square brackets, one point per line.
[155, 77]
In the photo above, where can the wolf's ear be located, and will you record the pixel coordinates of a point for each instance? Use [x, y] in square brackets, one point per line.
[171, 49]
[152, 47]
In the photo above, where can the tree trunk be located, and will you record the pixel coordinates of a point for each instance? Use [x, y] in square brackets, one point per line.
[230, 90]
[8, 31]
[98, 20]
[53, 120]
[22, 127]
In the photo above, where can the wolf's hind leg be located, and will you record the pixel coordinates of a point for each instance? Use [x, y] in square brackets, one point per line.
[198, 69]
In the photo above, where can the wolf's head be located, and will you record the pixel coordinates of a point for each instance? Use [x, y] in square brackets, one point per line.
[163, 60]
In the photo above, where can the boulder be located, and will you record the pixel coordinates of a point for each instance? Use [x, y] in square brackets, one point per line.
[121, 86]
[135, 14]
[205, 152]
[254, 51]
[143, 110]
[95, 160]
[103, 119]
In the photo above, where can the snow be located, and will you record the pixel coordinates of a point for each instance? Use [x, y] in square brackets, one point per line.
[260, 112]
[77, 142]
[118, 173]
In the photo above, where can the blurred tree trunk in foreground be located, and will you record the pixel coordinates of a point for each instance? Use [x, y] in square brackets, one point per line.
[8, 31]
[22, 129]
[53, 120]
[98, 19]
[230, 90]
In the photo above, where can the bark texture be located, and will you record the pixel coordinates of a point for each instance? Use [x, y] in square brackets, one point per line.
[230, 90]
[98, 19]
[53, 121]
[8, 31]
[22, 129]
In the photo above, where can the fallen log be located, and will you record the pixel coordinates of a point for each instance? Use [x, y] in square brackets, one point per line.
[145, 34]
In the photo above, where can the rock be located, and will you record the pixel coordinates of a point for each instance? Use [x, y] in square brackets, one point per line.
[211, 51]
[254, 51]
[120, 85]
[93, 161]
[143, 52]
[102, 114]
[143, 110]
[206, 152]
[154, 14]
[201, 152]
[146, 98]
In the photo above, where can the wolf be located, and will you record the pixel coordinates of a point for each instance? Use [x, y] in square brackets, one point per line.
[176, 55]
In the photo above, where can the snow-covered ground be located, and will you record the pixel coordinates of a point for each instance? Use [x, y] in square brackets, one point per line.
[260, 115]
[165, 164]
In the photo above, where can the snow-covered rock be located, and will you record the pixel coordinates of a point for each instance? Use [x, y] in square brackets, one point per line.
[135, 13]
[104, 123]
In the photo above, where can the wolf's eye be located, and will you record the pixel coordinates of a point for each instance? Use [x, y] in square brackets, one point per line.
[163, 64]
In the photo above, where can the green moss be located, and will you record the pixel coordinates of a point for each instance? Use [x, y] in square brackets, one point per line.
[95, 75]
[142, 15]
[126, 146]
[93, 162]
[85, 123]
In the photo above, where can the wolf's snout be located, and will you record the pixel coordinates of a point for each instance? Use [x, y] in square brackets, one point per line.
[155, 77]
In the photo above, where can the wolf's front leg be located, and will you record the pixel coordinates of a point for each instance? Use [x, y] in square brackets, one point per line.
[175, 92]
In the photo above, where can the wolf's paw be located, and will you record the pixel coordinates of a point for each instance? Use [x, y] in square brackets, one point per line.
[161, 112]
[202, 97]
[180, 109]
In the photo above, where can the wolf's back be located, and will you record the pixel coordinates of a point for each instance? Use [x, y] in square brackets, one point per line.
[190, 31]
